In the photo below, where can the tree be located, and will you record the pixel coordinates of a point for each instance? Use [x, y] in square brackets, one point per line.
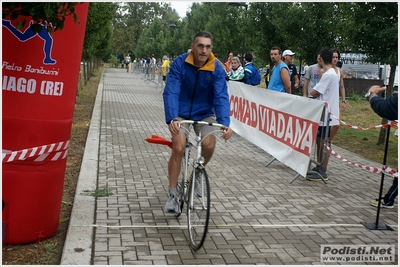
[373, 29]
[98, 30]
[264, 34]
[133, 26]
[52, 13]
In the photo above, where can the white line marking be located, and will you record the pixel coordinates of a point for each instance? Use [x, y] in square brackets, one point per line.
[228, 225]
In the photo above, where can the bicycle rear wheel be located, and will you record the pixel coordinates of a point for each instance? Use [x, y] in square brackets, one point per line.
[198, 208]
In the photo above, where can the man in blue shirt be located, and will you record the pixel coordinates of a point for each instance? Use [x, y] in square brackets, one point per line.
[252, 74]
[280, 79]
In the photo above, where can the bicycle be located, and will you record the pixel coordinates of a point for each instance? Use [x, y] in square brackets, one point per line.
[197, 203]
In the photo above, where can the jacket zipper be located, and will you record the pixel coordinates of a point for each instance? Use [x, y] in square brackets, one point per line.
[194, 92]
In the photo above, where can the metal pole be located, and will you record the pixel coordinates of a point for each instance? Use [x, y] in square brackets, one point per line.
[179, 41]
[383, 177]
[377, 225]
[244, 38]
[242, 59]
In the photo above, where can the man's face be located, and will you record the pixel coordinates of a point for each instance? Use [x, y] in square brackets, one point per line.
[201, 48]
[235, 64]
[275, 56]
[289, 59]
[335, 59]
[230, 55]
[319, 59]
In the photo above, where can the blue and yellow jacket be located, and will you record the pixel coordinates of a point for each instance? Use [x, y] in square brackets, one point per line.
[196, 93]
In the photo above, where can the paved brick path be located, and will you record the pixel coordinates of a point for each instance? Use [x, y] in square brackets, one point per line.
[257, 216]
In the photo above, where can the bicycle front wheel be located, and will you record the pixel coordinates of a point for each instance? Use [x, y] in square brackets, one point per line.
[198, 208]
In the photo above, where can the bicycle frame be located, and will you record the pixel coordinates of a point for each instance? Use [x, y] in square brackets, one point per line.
[199, 160]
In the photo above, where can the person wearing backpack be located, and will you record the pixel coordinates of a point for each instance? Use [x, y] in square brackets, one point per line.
[252, 74]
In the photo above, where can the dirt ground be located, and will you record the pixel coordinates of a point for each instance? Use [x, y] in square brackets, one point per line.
[49, 251]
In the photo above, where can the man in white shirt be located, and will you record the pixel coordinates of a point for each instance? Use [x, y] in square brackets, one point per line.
[326, 90]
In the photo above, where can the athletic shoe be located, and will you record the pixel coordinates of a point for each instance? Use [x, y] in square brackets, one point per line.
[172, 204]
[317, 177]
[374, 202]
[315, 169]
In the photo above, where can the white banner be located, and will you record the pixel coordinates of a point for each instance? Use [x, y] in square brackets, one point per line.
[283, 125]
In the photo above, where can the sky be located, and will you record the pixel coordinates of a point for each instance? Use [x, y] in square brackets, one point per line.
[180, 7]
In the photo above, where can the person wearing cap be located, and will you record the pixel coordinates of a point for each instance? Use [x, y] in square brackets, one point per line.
[280, 79]
[294, 77]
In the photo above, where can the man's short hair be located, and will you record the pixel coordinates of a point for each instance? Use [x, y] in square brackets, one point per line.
[248, 57]
[203, 34]
[327, 55]
[277, 48]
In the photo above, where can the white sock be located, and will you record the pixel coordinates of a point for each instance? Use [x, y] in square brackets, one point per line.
[172, 191]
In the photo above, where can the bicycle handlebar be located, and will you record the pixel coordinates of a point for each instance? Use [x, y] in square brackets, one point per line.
[202, 122]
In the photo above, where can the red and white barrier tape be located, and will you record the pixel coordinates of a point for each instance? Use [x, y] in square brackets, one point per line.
[57, 150]
[391, 123]
[385, 169]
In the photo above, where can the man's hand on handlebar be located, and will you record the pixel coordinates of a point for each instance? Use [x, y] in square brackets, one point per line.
[227, 133]
[174, 127]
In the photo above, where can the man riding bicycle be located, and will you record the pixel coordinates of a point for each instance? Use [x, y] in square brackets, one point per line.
[196, 89]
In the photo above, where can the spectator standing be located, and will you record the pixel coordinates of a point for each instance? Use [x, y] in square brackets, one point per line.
[280, 79]
[196, 89]
[143, 64]
[267, 75]
[165, 68]
[148, 63]
[340, 74]
[339, 70]
[237, 72]
[153, 66]
[311, 77]
[252, 74]
[228, 63]
[288, 56]
[386, 108]
[326, 90]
